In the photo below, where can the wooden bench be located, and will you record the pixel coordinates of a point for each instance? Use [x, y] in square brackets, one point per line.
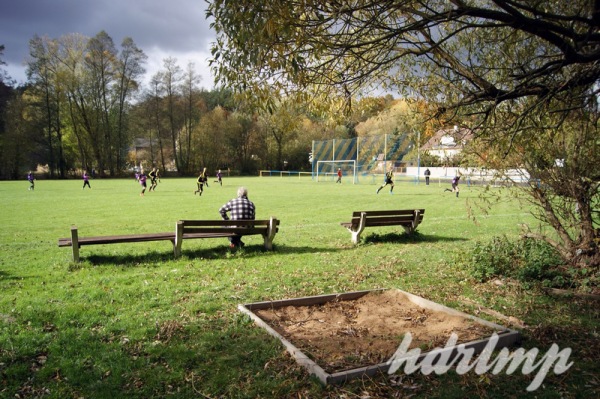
[187, 229]
[76, 242]
[184, 229]
[407, 218]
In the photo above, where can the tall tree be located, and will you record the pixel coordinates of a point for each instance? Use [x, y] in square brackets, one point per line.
[192, 110]
[100, 60]
[43, 71]
[72, 50]
[282, 125]
[171, 78]
[129, 69]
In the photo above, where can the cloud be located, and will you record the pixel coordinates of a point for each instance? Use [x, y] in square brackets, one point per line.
[177, 28]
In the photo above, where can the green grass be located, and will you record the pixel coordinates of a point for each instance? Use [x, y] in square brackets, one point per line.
[130, 321]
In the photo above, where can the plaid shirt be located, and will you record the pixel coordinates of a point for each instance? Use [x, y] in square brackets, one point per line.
[240, 208]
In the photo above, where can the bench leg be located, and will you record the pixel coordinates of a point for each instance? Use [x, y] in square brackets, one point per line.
[178, 239]
[415, 222]
[271, 231]
[75, 243]
[361, 226]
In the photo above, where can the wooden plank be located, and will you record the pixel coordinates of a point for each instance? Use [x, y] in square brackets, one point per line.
[208, 235]
[227, 230]
[65, 242]
[309, 300]
[371, 222]
[224, 223]
[384, 219]
[126, 238]
[399, 212]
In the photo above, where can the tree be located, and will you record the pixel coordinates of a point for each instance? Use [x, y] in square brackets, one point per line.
[475, 60]
[559, 163]
[155, 112]
[42, 71]
[480, 51]
[192, 110]
[171, 78]
[282, 126]
[128, 70]
[4, 78]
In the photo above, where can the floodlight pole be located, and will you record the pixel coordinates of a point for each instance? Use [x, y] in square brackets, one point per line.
[418, 156]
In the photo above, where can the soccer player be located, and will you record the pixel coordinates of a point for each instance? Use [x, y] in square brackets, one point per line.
[219, 178]
[241, 208]
[142, 180]
[389, 179]
[339, 175]
[86, 180]
[153, 179]
[200, 182]
[31, 180]
[454, 185]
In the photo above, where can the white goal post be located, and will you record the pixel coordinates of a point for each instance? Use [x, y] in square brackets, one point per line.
[327, 170]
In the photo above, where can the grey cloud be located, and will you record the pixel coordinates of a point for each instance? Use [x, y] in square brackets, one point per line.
[173, 27]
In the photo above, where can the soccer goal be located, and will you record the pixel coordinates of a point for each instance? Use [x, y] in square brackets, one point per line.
[327, 170]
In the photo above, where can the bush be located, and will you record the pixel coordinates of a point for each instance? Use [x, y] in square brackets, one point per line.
[493, 258]
[525, 259]
[538, 261]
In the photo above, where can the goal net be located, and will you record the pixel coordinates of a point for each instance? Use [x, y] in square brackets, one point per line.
[328, 170]
[362, 159]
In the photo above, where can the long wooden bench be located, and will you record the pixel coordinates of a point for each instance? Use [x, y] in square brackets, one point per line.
[409, 219]
[184, 229]
[76, 242]
[187, 229]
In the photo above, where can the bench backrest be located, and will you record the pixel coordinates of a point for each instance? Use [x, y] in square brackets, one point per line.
[232, 226]
[388, 217]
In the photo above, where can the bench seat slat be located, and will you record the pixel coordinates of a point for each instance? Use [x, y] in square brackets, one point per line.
[384, 223]
[207, 235]
[225, 223]
[66, 242]
[229, 230]
[398, 212]
[377, 219]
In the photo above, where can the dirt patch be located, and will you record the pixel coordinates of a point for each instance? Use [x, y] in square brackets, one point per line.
[343, 335]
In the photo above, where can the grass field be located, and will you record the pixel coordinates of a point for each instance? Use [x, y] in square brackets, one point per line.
[130, 321]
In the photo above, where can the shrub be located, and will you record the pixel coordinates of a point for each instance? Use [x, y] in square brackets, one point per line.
[524, 259]
[494, 258]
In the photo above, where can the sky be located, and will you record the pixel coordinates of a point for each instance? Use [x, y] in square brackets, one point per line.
[160, 28]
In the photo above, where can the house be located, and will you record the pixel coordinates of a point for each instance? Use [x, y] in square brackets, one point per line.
[446, 143]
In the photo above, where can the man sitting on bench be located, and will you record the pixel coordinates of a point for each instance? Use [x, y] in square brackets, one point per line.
[241, 208]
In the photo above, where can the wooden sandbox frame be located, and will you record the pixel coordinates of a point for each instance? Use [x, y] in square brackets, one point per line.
[506, 337]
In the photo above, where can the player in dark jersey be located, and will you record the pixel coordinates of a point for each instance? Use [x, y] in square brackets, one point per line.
[389, 179]
[454, 185]
[31, 180]
[153, 175]
[200, 182]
